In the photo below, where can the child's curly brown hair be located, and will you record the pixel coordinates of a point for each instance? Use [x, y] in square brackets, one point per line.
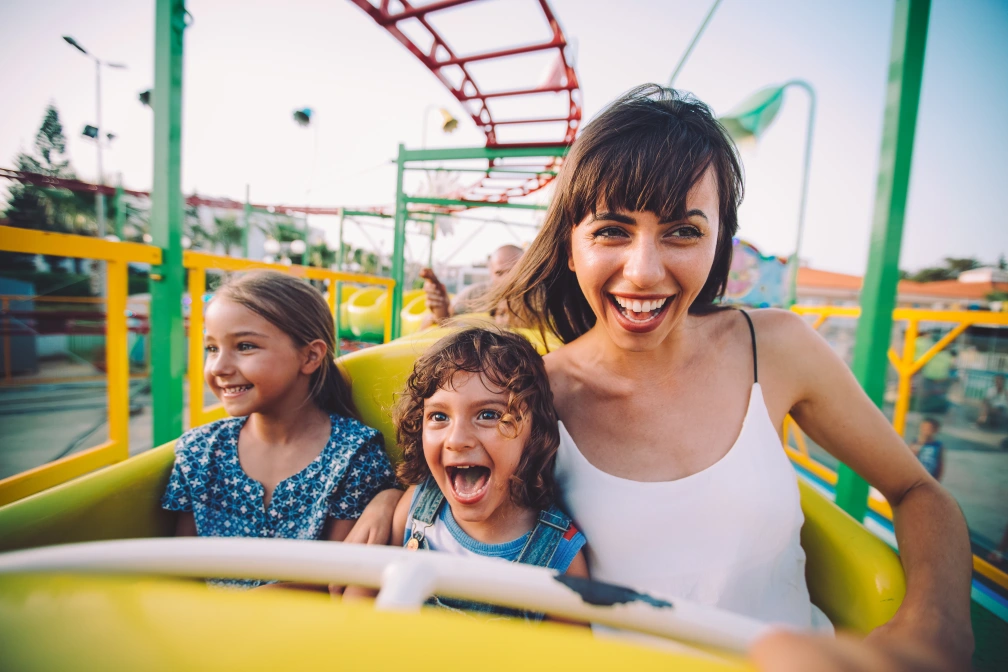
[508, 361]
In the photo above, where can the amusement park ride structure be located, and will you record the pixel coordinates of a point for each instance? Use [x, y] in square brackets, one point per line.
[507, 171]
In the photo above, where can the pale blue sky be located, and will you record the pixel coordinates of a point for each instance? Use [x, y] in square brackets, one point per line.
[249, 64]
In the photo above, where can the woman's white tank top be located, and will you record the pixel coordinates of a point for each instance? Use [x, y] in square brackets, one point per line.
[727, 536]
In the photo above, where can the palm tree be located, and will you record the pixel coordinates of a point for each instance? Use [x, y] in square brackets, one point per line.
[227, 233]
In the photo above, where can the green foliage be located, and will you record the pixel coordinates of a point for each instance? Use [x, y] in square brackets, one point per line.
[228, 233]
[950, 271]
[45, 208]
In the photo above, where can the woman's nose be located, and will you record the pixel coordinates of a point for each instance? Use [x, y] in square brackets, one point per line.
[644, 267]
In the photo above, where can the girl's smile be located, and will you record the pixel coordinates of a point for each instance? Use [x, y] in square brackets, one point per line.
[251, 365]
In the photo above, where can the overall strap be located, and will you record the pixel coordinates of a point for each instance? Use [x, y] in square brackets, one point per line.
[546, 536]
[752, 333]
[429, 500]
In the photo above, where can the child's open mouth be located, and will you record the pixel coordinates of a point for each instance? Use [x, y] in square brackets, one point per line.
[234, 390]
[468, 482]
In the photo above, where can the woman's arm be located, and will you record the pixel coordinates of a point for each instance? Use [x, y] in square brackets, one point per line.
[826, 400]
[375, 524]
[399, 517]
[185, 525]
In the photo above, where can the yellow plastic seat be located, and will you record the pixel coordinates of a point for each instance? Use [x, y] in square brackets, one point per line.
[854, 577]
[412, 315]
[366, 313]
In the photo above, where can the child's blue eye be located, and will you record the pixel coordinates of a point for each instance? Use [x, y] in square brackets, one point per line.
[438, 417]
[489, 415]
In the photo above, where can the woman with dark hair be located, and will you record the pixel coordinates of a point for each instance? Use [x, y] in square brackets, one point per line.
[671, 408]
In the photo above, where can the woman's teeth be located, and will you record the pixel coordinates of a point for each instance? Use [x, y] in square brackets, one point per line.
[639, 307]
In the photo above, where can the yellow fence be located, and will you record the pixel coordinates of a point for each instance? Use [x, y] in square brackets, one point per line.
[117, 256]
[906, 364]
[198, 263]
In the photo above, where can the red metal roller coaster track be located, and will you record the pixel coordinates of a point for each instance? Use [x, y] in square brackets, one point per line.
[441, 56]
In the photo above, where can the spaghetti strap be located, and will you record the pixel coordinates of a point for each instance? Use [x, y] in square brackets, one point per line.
[752, 333]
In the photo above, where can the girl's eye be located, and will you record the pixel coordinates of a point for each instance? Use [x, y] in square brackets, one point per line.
[244, 347]
[210, 348]
[489, 415]
[437, 416]
[610, 232]
[686, 232]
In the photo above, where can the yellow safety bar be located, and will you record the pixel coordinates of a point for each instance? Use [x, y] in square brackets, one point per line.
[199, 262]
[906, 366]
[117, 256]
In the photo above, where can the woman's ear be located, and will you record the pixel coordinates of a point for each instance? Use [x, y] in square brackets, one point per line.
[314, 354]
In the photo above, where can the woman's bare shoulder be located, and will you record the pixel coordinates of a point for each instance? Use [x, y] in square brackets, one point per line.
[561, 368]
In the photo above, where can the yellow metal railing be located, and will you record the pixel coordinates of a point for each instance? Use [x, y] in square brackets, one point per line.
[5, 301]
[198, 263]
[117, 256]
[906, 366]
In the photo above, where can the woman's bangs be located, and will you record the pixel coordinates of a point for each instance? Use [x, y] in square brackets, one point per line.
[639, 172]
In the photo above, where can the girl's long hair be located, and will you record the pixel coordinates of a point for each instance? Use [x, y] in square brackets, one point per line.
[300, 311]
[644, 152]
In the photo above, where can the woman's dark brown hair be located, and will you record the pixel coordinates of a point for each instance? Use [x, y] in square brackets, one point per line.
[645, 151]
[300, 311]
[506, 361]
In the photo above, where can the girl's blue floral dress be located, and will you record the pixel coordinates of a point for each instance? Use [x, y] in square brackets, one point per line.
[208, 480]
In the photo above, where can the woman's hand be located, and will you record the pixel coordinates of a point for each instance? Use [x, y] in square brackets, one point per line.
[375, 524]
[884, 650]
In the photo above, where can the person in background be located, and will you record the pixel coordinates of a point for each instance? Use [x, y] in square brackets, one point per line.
[439, 308]
[928, 449]
[994, 408]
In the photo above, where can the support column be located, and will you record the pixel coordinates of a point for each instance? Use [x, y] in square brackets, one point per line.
[247, 217]
[399, 248]
[878, 295]
[167, 327]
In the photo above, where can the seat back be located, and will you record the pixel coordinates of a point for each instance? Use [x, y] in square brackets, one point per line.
[854, 577]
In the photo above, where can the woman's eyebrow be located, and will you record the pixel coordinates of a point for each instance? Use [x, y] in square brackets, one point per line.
[613, 217]
[689, 213]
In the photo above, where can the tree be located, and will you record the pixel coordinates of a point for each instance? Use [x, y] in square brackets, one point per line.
[44, 208]
[227, 233]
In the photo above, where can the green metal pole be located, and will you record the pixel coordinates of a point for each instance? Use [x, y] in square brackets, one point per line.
[339, 257]
[167, 327]
[433, 233]
[399, 246]
[120, 213]
[247, 214]
[878, 295]
[794, 261]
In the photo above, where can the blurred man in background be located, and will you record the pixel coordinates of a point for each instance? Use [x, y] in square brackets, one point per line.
[439, 308]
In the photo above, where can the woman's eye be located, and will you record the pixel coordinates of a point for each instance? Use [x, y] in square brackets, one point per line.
[686, 232]
[489, 415]
[610, 232]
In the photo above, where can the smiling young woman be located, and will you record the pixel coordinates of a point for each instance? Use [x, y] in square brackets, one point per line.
[671, 408]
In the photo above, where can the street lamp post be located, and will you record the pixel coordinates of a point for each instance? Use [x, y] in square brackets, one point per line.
[303, 118]
[100, 196]
[750, 119]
